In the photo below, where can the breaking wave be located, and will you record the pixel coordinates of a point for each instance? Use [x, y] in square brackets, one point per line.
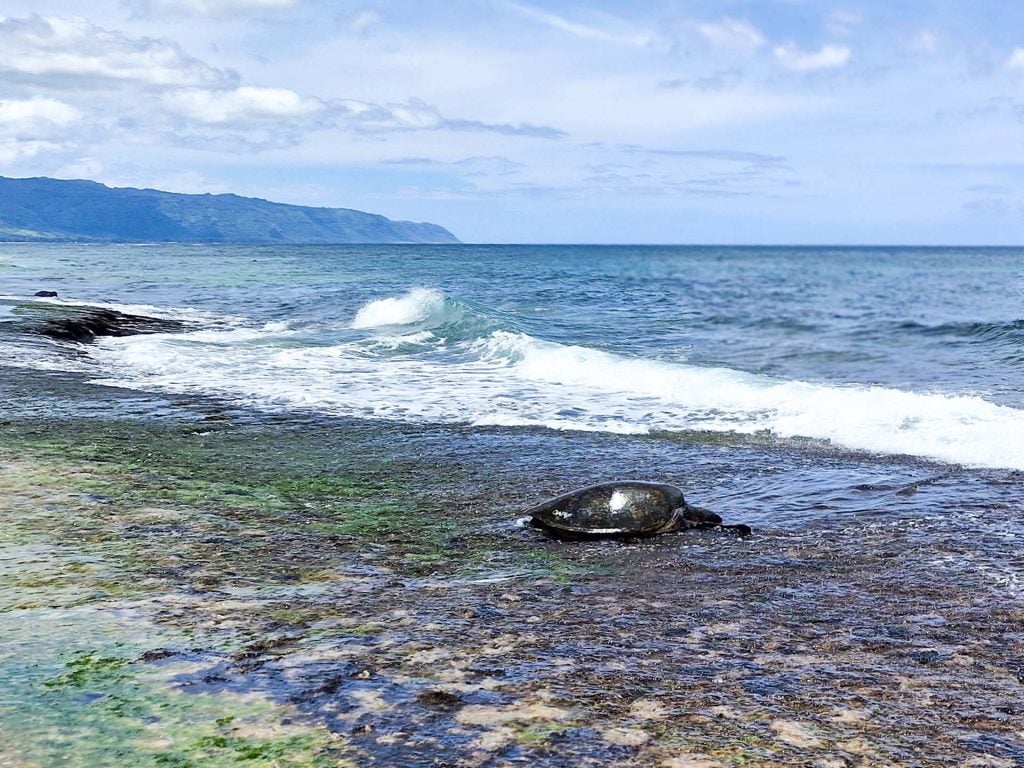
[426, 357]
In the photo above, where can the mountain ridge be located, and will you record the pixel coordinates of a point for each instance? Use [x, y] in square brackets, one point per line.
[42, 209]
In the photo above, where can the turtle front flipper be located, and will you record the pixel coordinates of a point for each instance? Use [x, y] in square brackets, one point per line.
[739, 529]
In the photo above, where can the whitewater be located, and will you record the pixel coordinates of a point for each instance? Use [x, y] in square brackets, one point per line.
[621, 351]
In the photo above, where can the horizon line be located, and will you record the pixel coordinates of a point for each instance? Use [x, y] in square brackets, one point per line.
[483, 244]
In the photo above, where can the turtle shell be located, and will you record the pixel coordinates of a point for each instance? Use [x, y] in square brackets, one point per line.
[622, 508]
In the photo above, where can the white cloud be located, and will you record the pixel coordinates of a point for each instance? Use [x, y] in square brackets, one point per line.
[38, 109]
[242, 105]
[416, 115]
[828, 57]
[925, 42]
[82, 168]
[13, 150]
[364, 20]
[249, 105]
[732, 34]
[32, 129]
[577, 29]
[207, 7]
[413, 115]
[1015, 61]
[53, 49]
[488, 167]
[842, 23]
[252, 118]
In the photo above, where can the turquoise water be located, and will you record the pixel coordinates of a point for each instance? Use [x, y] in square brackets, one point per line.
[885, 357]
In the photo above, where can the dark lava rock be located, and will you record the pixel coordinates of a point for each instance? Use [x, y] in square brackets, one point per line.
[926, 656]
[439, 699]
[85, 324]
[46, 294]
[773, 686]
[994, 745]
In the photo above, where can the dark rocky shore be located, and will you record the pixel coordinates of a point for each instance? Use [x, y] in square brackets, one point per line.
[190, 586]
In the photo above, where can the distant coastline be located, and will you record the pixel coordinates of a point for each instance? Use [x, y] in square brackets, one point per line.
[59, 211]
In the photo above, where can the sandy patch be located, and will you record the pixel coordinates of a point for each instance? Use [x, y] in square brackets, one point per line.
[796, 733]
[478, 714]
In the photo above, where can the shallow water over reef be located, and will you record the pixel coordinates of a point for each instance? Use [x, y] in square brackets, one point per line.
[217, 586]
[287, 535]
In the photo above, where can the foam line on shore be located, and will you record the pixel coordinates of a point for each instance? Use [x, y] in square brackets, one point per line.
[148, 310]
[512, 378]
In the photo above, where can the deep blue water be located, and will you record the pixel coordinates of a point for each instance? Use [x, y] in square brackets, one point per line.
[886, 354]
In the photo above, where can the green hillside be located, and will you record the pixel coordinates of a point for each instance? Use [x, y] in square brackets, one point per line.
[42, 209]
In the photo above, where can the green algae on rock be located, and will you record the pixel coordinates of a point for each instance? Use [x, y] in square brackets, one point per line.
[206, 595]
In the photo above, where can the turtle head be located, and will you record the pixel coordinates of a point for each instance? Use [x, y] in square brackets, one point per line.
[689, 516]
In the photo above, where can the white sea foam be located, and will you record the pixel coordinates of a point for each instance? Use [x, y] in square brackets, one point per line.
[148, 310]
[32, 358]
[228, 337]
[507, 378]
[417, 306]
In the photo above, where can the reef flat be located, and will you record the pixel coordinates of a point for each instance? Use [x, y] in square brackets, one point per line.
[215, 591]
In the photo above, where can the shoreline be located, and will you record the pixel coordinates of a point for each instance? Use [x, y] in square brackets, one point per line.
[216, 590]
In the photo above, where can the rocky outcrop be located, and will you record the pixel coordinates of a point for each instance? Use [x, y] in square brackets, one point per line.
[85, 324]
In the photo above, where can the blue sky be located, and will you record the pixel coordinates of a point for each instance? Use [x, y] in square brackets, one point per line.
[740, 121]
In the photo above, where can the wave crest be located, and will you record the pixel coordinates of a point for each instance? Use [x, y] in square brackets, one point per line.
[432, 358]
[416, 307]
[1012, 330]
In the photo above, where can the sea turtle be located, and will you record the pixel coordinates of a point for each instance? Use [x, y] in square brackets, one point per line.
[622, 508]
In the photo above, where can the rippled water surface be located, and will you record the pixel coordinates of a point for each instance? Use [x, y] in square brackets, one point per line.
[305, 505]
[844, 366]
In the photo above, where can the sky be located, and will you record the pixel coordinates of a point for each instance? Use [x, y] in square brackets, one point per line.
[670, 121]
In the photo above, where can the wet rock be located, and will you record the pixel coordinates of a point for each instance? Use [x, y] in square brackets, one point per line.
[926, 656]
[995, 746]
[808, 658]
[772, 686]
[89, 325]
[439, 699]
[96, 498]
[46, 294]
[159, 654]
[331, 684]
[85, 324]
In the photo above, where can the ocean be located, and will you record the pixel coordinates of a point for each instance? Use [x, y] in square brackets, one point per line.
[779, 384]
[305, 505]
